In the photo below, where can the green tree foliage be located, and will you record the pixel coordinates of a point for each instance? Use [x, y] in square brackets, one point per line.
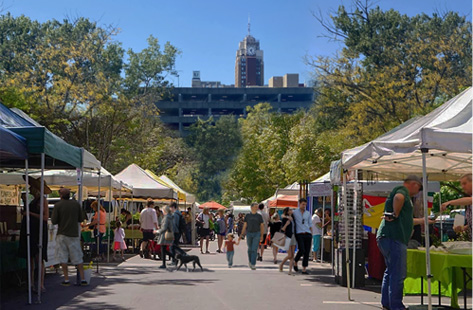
[215, 145]
[392, 67]
[259, 169]
[71, 77]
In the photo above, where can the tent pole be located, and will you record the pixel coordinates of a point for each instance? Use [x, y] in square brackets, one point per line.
[426, 224]
[80, 172]
[120, 204]
[41, 215]
[355, 206]
[132, 225]
[28, 237]
[345, 215]
[98, 222]
[193, 232]
[109, 228]
[441, 217]
[332, 216]
[322, 236]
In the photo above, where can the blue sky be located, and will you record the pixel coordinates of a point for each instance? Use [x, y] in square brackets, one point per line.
[208, 31]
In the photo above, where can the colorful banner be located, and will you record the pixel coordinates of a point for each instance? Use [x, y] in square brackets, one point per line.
[373, 209]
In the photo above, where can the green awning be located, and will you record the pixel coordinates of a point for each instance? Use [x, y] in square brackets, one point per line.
[59, 153]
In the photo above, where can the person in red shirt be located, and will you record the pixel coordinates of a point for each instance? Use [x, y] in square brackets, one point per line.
[230, 250]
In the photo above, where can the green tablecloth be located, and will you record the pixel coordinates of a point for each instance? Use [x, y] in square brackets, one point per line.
[445, 268]
[9, 260]
[133, 234]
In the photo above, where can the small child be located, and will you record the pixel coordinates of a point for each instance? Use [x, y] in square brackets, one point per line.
[119, 240]
[229, 247]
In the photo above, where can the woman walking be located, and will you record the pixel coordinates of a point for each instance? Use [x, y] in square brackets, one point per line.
[288, 227]
[165, 234]
[255, 226]
[99, 229]
[275, 226]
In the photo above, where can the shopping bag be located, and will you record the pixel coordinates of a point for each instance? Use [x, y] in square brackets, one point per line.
[285, 246]
[279, 239]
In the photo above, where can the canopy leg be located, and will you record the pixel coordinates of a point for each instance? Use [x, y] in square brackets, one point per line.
[347, 251]
[28, 237]
[41, 218]
[426, 221]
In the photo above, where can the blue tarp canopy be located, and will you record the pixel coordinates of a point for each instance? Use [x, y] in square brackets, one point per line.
[12, 146]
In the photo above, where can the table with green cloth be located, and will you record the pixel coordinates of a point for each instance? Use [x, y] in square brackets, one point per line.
[445, 267]
[9, 260]
[133, 234]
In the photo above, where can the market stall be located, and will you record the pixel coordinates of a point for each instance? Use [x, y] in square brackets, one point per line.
[144, 187]
[438, 145]
[45, 151]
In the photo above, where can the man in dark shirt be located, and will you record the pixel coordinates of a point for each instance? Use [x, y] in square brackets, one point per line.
[67, 214]
[255, 225]
[393, 235]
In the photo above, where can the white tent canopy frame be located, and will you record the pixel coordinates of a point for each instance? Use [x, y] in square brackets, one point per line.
[438, 145]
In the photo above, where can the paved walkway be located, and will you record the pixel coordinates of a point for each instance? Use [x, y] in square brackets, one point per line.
[139, 284]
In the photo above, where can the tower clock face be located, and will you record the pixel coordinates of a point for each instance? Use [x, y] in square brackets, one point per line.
[251, 50]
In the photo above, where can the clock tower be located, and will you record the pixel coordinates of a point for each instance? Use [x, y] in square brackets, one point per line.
[249, 65]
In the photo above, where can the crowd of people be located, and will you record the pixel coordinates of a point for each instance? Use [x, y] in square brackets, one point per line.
[167, 227]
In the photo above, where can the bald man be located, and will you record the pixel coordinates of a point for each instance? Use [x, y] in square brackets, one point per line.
[67, 214]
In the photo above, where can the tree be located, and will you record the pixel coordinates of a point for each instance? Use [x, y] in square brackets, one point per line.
[215, 145]
[392, 67]
[71, 77]
[259, 169]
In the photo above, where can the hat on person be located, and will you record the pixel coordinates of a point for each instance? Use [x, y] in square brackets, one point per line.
[414, 178]
[36, 183]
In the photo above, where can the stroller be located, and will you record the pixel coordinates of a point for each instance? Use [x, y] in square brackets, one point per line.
[155, 249]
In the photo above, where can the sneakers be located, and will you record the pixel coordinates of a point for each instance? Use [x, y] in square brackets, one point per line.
[162, 267]
[66, 283]
[253, 267]
[296, 269]
[83, 283]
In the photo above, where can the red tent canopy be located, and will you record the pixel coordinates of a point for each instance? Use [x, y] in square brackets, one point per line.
[284, 201]
[212, 205]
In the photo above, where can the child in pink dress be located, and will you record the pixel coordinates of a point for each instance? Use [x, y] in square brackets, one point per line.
[119, 238]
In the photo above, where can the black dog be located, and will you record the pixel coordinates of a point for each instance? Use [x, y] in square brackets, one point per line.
[185, 259]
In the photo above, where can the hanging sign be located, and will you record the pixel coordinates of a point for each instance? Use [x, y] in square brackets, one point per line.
[320, 189]
[9, 196]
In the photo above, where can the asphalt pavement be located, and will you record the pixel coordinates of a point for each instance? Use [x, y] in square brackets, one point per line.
[139, 284]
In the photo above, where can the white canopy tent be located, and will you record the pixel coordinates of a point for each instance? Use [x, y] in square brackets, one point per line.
[438, 145]
[445, 133]
[144, 186]
[190, 199]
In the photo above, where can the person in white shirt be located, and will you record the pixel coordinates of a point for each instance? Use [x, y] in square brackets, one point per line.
[316, 232]
[265, 216]
[119, 244]
[149, 223]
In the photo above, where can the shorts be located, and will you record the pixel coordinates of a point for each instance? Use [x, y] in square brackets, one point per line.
[69, 247]
[148, 235]
[293, 240]
[117, 245]
[204, 232]
[315, 243]
[222, 234]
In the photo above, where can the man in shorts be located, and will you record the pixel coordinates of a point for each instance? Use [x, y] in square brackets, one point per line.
[67, 214]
